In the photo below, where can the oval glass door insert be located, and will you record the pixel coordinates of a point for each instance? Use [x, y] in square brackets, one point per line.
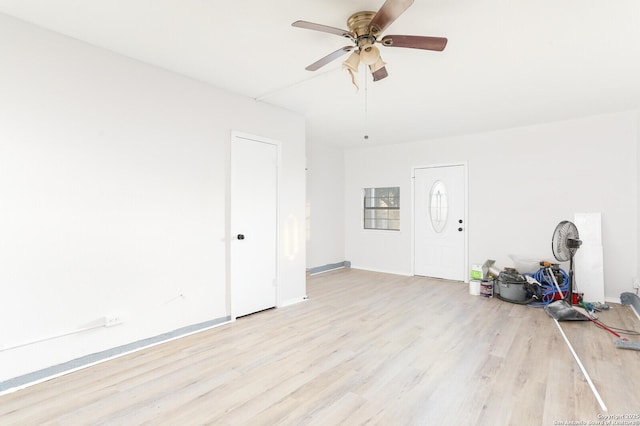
[438, 206]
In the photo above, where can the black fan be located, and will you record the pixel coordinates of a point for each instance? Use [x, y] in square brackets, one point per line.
[565, 243]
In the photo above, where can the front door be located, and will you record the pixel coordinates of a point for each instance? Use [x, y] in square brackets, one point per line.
[253, 251]
[440, 222]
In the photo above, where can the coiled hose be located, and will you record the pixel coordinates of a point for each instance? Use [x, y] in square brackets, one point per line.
[549, 290]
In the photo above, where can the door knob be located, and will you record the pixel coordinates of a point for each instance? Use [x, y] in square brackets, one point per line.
[240, 236]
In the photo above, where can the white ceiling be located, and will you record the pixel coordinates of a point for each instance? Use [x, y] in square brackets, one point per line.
[508, 62]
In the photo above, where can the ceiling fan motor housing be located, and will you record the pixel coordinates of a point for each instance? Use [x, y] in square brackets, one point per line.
[359, 22]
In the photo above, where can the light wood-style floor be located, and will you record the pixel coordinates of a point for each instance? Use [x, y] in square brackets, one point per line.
[366, 348]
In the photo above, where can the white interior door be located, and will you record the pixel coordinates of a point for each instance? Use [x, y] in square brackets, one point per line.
[440, 222]
[253, 245]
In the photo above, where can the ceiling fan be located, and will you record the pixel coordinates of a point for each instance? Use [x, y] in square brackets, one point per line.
[365, 29]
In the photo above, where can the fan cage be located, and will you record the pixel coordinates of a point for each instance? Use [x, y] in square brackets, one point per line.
[560, 244]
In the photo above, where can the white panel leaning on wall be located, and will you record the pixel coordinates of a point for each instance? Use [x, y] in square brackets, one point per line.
[588, 261]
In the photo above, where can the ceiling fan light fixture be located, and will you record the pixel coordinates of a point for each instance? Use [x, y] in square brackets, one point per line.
[378, 65]
[352, 62]
[369, 54]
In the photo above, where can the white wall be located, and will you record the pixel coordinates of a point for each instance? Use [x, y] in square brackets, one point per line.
[113, 189]
[325, 205]
[522, 182]
[637, 130]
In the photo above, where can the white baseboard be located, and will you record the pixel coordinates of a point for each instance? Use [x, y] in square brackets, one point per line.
[612, 300]
[381, 270]
[290, 302]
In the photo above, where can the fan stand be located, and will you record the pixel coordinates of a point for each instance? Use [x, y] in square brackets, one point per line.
[574, 244]
[569, 296]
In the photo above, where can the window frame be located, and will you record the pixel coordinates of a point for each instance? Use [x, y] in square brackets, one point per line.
[377, 209]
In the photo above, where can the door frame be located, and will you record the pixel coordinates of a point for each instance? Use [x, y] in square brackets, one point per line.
[228, 232]
[465, 168]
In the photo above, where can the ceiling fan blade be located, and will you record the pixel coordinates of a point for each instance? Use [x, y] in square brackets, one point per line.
[330, 57]
[323, 28]
[379, 74]
[415, 42]
[389, 12]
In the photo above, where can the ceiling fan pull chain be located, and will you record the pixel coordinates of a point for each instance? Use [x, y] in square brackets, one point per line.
[366, 106]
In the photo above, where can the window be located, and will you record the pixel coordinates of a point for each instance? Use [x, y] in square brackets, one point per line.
[382, 208]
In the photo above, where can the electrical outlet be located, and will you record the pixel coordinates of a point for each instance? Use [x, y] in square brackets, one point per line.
[636, 282]
[111, 320]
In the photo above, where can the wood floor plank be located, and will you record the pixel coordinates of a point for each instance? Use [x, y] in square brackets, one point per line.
[366, 348]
